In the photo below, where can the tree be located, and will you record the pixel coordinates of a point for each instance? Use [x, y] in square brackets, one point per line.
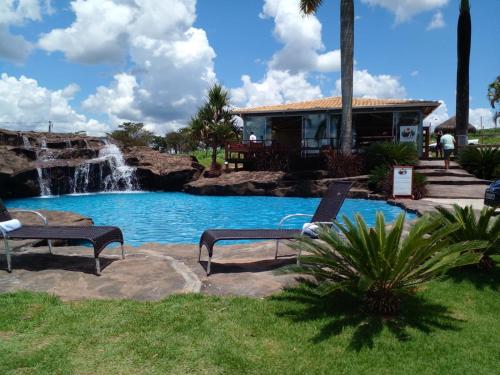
[132, 134]
[346, 64]
[213, 124]
[173, 141]
[494, 97]
[464, 31]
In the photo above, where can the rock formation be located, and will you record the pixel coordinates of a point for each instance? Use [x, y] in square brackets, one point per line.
[33, 163]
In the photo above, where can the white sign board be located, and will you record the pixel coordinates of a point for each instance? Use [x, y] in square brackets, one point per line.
[408, 133]
[402, 181]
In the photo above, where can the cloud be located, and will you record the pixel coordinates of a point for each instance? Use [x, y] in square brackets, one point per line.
[476, 115]
[24, 103]
[439, 115]
[171, 62]
[16, 13]
[406, 9]
[276, 87]
[303, 49]
[98, 35]
[414, 73]
[437, 21]
[381, 86]
[484, 116]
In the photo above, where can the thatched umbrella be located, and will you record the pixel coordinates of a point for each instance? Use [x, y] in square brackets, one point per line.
[450, 125]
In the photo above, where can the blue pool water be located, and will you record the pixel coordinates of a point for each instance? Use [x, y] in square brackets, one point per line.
[181, 218]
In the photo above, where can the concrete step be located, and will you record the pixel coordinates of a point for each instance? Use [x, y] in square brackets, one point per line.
[456, 192]
[442, 172]
[456, 180]
[426, 164]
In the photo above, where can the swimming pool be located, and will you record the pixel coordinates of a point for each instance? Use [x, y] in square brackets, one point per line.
[181, 218]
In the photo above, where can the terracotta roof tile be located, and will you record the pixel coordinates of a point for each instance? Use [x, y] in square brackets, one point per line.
[335, 102]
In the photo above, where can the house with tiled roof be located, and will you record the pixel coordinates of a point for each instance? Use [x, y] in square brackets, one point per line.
[303, 129]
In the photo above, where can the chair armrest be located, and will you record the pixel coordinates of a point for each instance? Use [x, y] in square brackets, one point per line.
[44, 219]
[291, 216]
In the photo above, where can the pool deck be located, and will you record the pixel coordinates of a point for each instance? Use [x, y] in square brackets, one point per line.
[150, 272]
[154, 271]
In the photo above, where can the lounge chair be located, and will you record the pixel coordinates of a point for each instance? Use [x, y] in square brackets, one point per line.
[326, 212]
[99, 236]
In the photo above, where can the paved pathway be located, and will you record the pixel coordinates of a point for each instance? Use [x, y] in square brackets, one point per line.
[149, 272]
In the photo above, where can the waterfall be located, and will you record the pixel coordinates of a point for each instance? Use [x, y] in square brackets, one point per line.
[68, 143]
[44, 144]
[81, 178]
[26, 142]
[121, 174]
[113, 174]
[44, 183]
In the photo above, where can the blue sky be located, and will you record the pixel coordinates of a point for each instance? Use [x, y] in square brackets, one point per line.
[91, 64]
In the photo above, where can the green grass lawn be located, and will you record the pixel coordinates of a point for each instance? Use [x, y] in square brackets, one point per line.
[453, 327]
[205, 158]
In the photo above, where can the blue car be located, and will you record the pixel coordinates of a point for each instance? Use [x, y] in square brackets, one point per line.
[492, 195]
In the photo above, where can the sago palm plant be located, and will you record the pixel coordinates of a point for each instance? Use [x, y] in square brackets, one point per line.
[483, 226]
[378, 263]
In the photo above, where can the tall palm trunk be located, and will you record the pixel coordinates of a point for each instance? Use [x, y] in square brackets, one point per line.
[214, 157]
[346, 72]
[464, 30]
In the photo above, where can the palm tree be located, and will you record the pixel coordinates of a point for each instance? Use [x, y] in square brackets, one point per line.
[463, 60]
[214, 124]
[346, 64]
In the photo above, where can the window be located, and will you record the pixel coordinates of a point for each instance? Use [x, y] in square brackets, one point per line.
[255, 125]
[315, 134]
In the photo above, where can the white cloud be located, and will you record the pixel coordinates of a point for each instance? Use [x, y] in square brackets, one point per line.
[374, 86]
[99, 33]
[484, 116]
[172, 61]
[437, 21]
[276, 87]
[406, 9]
[476, 115]
[24, 104]
[15, 13]
[303, 48]
[439, 115]
[414, 73]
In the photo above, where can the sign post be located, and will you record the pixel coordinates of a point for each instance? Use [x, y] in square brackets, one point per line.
[402, 181]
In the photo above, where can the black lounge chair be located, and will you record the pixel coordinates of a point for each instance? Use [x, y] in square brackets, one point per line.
[99, 236]
[326, 212]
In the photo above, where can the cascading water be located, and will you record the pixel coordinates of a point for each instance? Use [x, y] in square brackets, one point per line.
[26, 142]
[44, 183]
[112, 173]
[121, 176]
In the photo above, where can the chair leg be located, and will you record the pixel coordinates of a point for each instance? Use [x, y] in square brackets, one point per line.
[276, 253]
[123, 252]
[209, 265]
[97, 267]
[7, 255]
[49, 243]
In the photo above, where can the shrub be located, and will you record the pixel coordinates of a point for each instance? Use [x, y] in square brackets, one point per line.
[380, 181]
[388, 154]
[340, 164]
[419, 189]
[484, 226]
[377, 264]
[482, 162]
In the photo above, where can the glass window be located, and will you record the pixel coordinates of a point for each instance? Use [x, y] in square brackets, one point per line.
[315, 133]
[255, 125]
[334, 130]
